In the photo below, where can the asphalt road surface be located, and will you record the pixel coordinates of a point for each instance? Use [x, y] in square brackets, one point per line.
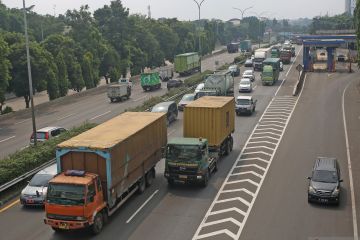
[285, 135]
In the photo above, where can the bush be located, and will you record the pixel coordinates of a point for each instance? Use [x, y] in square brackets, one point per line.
[25, 160]
[239, 59]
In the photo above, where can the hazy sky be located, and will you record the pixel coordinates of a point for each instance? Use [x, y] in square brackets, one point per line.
[187, 10]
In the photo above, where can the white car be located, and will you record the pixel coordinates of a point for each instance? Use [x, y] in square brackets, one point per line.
[249, 74]
[46, 133]
[34, 193]
[245, 85]
[199, 87]
[125, 81]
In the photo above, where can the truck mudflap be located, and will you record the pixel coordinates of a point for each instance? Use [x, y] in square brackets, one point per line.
[66, 225]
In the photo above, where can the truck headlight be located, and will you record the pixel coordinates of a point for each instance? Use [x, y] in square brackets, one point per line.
[80, 218]
[336, 192]
[311, 189]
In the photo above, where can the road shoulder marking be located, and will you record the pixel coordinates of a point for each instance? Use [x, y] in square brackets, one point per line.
[9, 206]
[6, 139]
[142, 206]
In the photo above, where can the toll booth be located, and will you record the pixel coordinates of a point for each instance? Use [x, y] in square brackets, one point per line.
[330, 43]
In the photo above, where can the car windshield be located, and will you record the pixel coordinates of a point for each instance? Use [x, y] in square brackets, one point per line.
[245, 81]
[159, 109]
[232, 68]
[243, 101]
[188, 97]
[40, 180]
[247, 72]
[187, 153]
[66, 194]
[324, 176]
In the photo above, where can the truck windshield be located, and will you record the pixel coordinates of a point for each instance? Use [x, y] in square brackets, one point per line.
[66, 194]
[183, 153]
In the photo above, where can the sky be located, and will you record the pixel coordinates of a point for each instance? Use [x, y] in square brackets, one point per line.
[187, 9]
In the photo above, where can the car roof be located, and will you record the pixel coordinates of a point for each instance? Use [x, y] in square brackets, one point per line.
[164, 104]
[46, 129]
[51, 170]
[244, 97]
[325, 163]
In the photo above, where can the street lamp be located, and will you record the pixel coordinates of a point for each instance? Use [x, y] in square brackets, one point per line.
[199, 8]
[29, 72]
[259, 16]
[242, 11]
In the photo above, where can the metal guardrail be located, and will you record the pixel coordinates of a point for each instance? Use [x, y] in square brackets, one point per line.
[25, 176]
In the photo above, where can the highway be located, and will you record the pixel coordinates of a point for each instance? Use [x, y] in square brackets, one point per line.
[15, 131]
[260, 189]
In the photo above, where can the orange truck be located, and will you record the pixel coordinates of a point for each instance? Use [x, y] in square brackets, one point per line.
[103, 167]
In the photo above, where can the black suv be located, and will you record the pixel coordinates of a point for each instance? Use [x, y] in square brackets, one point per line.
[324, 184]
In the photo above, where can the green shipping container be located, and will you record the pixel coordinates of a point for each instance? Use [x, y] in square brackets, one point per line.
[150, 81]
[187, 63]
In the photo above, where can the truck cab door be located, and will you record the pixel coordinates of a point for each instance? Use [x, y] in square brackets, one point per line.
[93, 199]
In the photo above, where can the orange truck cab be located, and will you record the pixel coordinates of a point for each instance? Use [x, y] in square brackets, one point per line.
[75, 200]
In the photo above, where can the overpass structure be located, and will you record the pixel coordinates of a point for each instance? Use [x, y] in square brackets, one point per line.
[328, 42]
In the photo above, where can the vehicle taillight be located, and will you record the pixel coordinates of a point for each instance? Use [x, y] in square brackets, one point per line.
[46, 135]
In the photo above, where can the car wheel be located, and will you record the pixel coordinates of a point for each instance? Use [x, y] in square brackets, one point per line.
[205, 181]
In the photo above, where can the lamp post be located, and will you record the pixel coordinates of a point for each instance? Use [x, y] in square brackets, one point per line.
[199, 8]
[29, 72]
[259, 16]
[242, 11]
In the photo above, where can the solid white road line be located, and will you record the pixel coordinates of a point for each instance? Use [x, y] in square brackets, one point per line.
[65, 116]
[6, 139]
[142, 206]
[351, 180]
[21, 121]
[138, 99]
[100, 115]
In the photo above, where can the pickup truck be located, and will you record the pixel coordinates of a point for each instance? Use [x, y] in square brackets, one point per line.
[245, 104]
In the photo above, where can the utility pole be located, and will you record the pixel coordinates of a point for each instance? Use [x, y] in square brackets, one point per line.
[29, 72]
[199, 8]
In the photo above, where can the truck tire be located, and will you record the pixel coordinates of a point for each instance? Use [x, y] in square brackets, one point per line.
[205, 182]
[227, 148]
[150, 177]
[231, 143]
[111, 100]
[98, 223]
[141, 185]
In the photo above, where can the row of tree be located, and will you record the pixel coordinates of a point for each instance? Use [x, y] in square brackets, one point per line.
[74, 50]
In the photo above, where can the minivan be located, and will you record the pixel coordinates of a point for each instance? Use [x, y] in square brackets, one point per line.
[324, 184]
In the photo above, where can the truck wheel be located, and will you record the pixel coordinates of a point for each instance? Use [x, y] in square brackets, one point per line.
[111, 100]
[231, 144]
[141, 185]
[98, 223]
[227, 148]
[150, 177]
[206, 179]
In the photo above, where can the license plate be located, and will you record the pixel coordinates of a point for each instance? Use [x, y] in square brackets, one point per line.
[182, 176]
[30, 201]
[63, 226]
[323, 200]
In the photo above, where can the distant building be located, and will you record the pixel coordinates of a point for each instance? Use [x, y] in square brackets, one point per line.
[350, 6]
[235, 21]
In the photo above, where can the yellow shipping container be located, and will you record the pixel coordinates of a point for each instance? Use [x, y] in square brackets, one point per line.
[210, 117]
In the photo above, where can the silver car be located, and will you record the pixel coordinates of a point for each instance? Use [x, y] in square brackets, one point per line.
[34, 193]
[187, 98]
[245, 85]
[46, 133]
[249, 74]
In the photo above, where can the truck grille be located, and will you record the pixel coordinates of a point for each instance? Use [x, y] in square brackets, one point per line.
[183, 170]
[323, 193]
[61, 217]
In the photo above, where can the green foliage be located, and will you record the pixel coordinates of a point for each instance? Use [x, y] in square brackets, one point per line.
[5, 67]
[342, 21]
[25, 160]
[357, 27]
[6, 110]
[87, 70]
[62, 75]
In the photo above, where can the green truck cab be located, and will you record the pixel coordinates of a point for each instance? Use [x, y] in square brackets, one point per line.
[150, 81]
[275, 53]
[188, 160]
[187, 63]
[271, 71]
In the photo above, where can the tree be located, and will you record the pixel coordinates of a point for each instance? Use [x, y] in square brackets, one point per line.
[5, 67]
[110, 61]
[39, 65]
[87, 70]
[357, 27]
[62, 75]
